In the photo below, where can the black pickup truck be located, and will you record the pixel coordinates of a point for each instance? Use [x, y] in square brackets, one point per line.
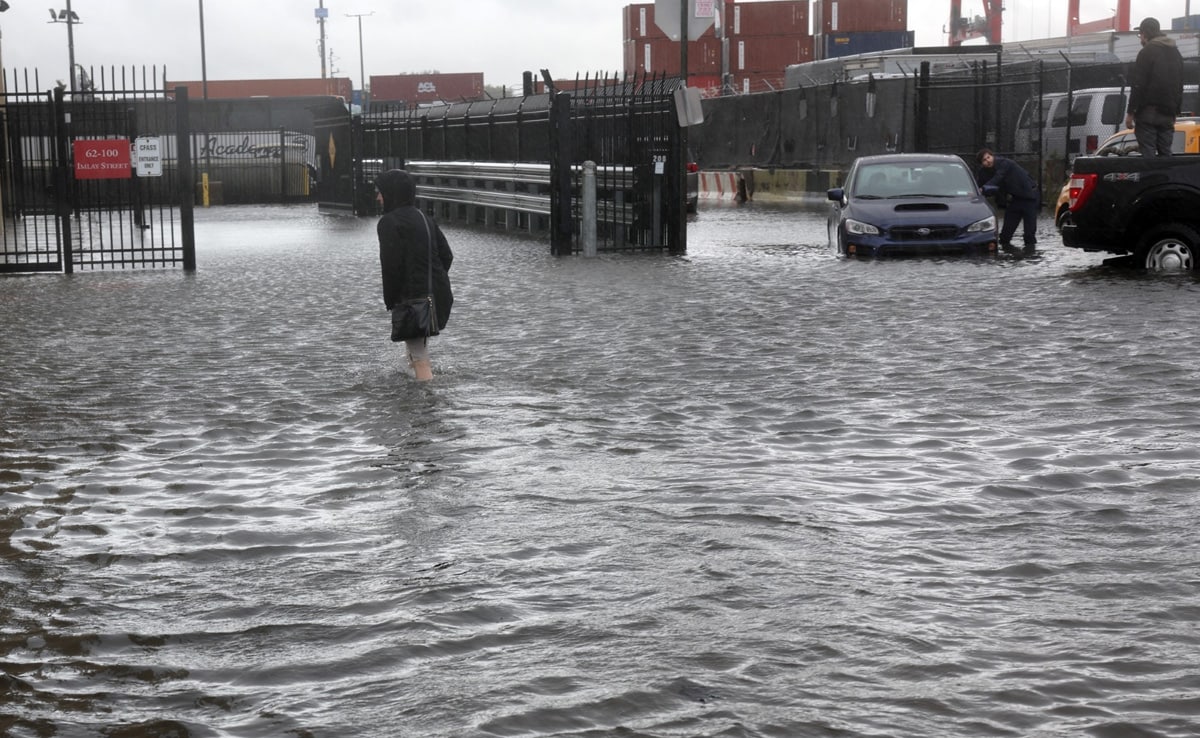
[1148, 208]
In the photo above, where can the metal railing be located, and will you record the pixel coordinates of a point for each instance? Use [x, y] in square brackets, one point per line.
[500, 185]
[468, 191]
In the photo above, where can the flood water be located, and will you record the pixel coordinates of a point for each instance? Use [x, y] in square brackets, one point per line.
[751, 491]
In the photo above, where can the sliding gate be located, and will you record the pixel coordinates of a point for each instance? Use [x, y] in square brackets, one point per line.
[95, 179]
[628, 129]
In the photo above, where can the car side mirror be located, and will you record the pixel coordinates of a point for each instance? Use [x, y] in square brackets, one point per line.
[837, 194]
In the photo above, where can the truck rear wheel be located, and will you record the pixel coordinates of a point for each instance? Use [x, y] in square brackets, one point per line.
[1063, 217]
[1169, 248]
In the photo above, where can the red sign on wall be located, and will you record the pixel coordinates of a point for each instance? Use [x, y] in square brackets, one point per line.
[105, 158]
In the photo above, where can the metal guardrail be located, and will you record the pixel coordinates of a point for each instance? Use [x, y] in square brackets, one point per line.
[516, 186]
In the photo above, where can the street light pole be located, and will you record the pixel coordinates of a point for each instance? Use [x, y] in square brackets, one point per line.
[68, 16]
[321, 14]
[203, 59]
[204, 146]
[362, 69]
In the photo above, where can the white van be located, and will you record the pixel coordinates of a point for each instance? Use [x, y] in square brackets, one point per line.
[1096, 113]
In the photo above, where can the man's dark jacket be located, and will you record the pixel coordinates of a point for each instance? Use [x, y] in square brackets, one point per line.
[1010, 179]
[1157, 78]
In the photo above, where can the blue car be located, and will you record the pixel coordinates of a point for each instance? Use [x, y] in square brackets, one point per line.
[910, 205]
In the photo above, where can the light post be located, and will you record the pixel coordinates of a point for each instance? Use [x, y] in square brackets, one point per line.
[321, 13]
[205, 198]
[69, 17]
[203, 59]
[362, 69]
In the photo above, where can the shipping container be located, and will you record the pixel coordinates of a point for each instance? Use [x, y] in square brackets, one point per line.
[769, 53]
[843, 16]
[834, 45]
[709, 85]
[747, 83]
[640, 25]
[661, 56]
[1186, 23]
[226, 89]
[784, 18]
[414, 89]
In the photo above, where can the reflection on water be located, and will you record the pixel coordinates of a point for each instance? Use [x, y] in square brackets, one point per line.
[754, 490]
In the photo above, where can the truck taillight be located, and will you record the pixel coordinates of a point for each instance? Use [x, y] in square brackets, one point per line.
[1080, 188]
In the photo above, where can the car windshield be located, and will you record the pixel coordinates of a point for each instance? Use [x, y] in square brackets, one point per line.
[913, 179]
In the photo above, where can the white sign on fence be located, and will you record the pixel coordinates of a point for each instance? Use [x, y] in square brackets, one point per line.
[148, 155]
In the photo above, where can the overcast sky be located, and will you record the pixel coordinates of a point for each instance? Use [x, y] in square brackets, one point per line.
[252, 39]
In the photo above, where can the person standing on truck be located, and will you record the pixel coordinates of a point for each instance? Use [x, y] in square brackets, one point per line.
[1155, 91]
[1016, 191]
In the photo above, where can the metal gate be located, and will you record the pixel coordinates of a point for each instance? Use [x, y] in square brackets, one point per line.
[629, 129]
[95, 179]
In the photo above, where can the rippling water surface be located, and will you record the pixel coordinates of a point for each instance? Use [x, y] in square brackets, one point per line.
[751, 491]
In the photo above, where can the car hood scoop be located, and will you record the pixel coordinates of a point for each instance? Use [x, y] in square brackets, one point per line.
[910, 207]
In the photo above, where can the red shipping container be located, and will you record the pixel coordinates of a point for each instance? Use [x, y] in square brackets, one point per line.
[640, 25]
[709, 85]
[842, 16]
[785, 18]
[634, 56]
[427, 88]
[662, 57]
[750, 82]
[769, 53]
[243, 88]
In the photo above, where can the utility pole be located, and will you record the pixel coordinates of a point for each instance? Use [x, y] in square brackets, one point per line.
[322, 14]
[68, 16]
[362, 68]
[203, 59]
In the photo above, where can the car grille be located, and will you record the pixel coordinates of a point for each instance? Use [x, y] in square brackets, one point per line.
[924, 233]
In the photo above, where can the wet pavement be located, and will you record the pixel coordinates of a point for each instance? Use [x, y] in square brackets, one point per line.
[755, 490]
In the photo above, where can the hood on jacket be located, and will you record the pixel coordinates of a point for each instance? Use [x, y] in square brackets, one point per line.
[1162, 41]
[397, 187]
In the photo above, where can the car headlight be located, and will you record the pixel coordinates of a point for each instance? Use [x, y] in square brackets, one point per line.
[859, 228]
[987, 224]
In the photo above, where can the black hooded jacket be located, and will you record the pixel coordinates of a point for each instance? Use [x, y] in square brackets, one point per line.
[404, 247]
[1157, 78]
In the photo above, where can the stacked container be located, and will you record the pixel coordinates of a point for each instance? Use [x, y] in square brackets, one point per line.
[764, 39]
[761, 38]
[846, 27]
[415, 89]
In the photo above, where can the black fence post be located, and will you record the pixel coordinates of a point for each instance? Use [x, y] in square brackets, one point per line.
[922, 132]
[135, 182]
[561, 227]
[64, 197]
[283, 165]
[677, 213]
[185, 185]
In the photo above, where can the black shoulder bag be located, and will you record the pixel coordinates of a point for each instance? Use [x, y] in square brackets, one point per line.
[417, 318]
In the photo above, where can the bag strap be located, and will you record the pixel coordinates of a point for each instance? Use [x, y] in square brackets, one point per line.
[429, 238]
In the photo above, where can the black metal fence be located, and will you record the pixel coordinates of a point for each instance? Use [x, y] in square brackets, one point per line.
[825, 127]
[627, 127]
[91, 178]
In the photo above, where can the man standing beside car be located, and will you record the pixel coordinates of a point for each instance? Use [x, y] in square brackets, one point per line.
[1016, 191]
[1155, 91]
